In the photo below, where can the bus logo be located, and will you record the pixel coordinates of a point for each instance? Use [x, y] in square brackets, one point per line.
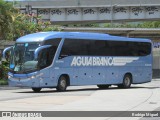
[102, 61]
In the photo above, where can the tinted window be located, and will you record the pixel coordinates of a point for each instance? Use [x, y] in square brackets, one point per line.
[126, 48]
[74, 47]
[104, 48]
[47, 55]
[54, 42]
[98, 48]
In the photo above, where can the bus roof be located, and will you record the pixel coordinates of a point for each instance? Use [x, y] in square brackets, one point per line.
[42, 36]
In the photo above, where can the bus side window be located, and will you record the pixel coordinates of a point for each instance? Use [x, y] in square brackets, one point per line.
[72, 47]
[65, 50]
[46, 57]
[51, 54]
[64, 53]
[42, 62]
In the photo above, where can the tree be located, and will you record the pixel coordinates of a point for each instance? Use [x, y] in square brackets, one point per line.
[13, 24]
[6, 18]
[25, 24]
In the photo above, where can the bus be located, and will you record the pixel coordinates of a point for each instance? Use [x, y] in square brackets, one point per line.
[62, 59]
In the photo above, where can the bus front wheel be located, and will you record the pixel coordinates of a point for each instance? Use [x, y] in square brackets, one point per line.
[62, 84]
[103, 86]
[127, 81]
[36, 89]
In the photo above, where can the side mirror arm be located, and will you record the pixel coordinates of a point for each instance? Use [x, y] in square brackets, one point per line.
[5, 50]
[36, 52]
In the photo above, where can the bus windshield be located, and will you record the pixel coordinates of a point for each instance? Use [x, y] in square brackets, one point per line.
[22, 58]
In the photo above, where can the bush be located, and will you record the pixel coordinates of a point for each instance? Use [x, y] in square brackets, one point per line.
[4, 67]
[3, 82]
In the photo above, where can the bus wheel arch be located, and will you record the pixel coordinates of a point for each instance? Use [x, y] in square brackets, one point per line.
[127, 81]
[63, 82]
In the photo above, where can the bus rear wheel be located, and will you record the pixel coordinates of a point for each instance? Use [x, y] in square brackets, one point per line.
[103, 86]
[127, 81]
[36, 89]
[62, 84]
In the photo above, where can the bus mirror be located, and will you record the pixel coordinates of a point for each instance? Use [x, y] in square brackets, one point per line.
[5, 51]
[36, 52]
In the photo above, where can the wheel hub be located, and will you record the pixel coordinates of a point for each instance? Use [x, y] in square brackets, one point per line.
[127, 81]
[63, 83]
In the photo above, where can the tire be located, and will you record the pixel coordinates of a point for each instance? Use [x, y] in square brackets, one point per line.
[62, 84]
[103, 86]
[36, 89]
[127, 81]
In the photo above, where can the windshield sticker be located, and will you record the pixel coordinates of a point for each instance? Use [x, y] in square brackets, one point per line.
[26, 44]
[11, 66]
[102, 61]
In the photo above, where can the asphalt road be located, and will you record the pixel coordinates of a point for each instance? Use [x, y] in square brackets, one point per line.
[141, 97]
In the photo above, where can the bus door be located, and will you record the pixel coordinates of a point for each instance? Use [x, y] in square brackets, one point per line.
[45, 60]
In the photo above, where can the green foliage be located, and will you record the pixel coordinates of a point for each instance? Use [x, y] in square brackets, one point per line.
[148, 24]
[25, 24]
[6, 17]
[4, 67]
[3, 82]
[13, 24]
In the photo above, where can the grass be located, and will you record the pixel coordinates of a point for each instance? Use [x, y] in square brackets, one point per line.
[3, 82]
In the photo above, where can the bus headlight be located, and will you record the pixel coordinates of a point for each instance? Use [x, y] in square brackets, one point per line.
[33, 77]
[10, 76]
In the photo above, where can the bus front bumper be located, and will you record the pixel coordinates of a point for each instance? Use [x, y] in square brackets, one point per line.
[21, 81]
